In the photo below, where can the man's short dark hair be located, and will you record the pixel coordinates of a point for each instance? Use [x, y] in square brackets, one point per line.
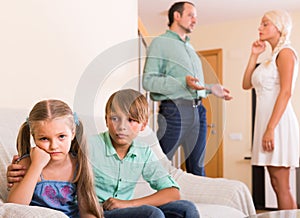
[179, 7]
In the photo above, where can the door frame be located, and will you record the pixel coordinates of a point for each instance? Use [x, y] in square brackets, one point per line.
[215, 167]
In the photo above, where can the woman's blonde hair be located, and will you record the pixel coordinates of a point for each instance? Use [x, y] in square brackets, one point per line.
[48, 110]
[130, 102]
[283, 22]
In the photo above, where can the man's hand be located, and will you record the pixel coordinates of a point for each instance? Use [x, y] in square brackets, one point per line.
[114, 203]
[227, 96]
[15, 172]
[221, 92]
[192, 83]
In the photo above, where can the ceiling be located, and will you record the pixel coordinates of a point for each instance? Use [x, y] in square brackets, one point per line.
[153, 13]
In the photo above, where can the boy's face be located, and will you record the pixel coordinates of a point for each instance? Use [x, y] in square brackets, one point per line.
[122, 129]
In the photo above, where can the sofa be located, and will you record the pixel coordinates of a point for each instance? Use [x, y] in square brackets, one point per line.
[214, 197]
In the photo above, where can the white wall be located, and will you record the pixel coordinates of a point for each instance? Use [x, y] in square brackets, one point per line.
[235, 38]
[45, 46]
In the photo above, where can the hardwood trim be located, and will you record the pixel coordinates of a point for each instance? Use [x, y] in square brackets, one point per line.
[144, 33]
[142, 29]
[219, 54]
[219, 71]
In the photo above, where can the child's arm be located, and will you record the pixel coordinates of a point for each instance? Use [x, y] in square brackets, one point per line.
[159, 198]
[22, 191]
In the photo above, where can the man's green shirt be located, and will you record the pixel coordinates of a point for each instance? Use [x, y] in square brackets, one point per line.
[169, 61]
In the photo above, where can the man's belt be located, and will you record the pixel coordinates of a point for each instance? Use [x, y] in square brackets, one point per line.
[186, 102]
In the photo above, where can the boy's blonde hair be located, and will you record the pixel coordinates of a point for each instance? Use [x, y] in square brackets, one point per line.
[48, 110]
[130, 102]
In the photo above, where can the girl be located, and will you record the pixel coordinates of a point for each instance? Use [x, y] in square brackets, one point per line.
[59, 175]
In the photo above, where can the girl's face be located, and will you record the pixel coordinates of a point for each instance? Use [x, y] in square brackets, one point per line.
[267, 30]
[122, 129]
[54, 137]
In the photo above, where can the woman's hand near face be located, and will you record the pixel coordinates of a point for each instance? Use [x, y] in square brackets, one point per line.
[258, 47]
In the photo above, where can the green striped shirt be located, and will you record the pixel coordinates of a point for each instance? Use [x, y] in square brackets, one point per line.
[169, 61]
[117, 178]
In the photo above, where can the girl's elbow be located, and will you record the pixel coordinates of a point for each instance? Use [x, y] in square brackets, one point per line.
[17, 201]
[10, 199]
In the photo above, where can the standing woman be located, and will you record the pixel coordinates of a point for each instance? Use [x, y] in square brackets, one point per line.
[276, 131]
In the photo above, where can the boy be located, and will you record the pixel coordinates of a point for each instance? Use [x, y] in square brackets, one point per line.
[118, 162]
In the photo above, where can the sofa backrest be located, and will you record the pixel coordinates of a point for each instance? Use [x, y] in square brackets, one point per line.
[10, 121]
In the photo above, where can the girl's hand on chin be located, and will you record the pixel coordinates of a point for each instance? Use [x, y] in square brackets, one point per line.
[39, 156]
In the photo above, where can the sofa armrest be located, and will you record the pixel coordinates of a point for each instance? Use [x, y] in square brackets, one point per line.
[219, 191]
[231, 193]
[9, 210]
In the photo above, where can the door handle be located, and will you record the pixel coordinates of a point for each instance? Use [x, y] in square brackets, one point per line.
[211, 125]
[213, 132]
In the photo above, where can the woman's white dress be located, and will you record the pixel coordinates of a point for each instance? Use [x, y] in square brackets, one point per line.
[266, 81]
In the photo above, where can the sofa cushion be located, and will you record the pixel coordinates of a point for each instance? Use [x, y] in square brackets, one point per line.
[218, 211]
[9, 210]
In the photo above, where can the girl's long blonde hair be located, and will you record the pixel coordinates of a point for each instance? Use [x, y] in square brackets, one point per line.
[48, 110]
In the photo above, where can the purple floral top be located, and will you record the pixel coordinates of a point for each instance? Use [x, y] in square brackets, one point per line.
[58, 195]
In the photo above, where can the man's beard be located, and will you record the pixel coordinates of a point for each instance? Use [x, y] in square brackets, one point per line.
[186, 29]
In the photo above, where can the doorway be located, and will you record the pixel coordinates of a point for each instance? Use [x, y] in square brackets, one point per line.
[212, 68]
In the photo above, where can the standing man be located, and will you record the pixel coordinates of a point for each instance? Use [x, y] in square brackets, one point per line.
[173, 75]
